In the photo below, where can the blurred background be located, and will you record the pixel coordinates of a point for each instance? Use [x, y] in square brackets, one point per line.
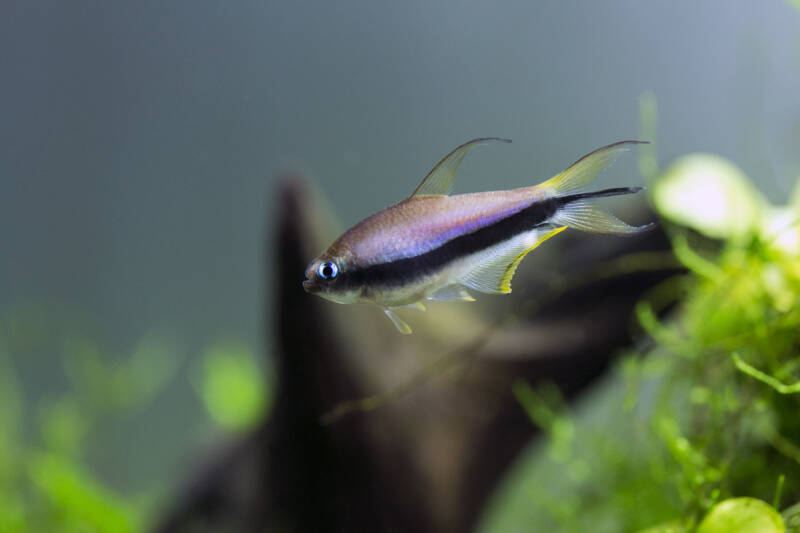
[139, 144]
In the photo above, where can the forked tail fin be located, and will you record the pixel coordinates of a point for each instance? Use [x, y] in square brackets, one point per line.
[578, 209]
[584, 170]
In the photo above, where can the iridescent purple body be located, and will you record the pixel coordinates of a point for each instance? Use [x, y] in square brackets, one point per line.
[420, 224]
[435, 246]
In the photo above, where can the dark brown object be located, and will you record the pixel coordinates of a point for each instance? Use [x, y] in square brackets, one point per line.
[443, 432]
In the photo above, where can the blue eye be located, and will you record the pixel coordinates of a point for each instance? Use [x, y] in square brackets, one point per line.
[327, 270]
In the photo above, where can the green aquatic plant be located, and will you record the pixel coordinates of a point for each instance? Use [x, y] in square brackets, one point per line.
[698, 427]
[742, 515]
[49, 442]
[232, 387]
[47, 480]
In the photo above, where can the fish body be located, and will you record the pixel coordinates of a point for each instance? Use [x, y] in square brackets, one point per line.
[408, 251]
[436, 246]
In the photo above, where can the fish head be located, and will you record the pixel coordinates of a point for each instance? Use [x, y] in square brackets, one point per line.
[325, 277]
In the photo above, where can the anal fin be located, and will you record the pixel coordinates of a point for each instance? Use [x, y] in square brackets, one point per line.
[496, 266]
[416, 305]
[452, 293]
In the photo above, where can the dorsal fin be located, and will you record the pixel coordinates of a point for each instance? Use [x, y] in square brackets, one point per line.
[439, 181]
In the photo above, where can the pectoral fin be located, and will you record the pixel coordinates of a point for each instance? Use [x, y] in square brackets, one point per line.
[495, 267]
[439, 181]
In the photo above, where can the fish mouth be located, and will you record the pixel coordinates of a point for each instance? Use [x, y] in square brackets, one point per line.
[307, 285]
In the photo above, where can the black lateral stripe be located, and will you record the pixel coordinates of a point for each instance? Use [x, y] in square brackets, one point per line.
[617, 191]
[402, 271]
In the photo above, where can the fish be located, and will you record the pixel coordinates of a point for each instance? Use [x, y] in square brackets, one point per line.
[437, 246]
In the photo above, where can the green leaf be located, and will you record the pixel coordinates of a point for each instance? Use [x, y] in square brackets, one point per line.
[673, 526]
[232, 386]
[76, 500]
[742, 515]
[110, 385]
[709, 194]
[147, 372]
[63, 425]
[791, 518]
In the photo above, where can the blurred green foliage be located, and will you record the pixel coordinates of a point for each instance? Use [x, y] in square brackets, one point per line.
[742, 515]
[50, 419]
[698, 428]
[232, 387]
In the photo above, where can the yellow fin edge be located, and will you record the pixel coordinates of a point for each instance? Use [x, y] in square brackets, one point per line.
[584, 170]
[505, 282]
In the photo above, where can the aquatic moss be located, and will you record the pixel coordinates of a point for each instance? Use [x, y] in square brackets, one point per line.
[704, 412]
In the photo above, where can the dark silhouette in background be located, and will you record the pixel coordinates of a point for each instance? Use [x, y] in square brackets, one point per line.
[426, 458]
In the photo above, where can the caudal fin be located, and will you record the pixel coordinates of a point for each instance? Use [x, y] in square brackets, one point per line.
[578, 209]
[584, 170]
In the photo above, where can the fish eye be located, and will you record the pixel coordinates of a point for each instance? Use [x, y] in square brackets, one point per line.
[327, 270]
